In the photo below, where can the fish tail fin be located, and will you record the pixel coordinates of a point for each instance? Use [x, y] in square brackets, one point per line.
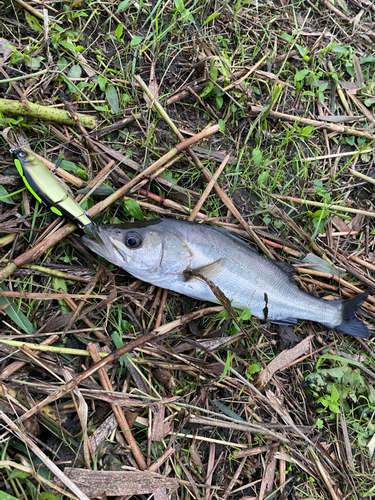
[350, 323]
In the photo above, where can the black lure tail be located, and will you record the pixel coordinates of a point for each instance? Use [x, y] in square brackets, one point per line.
[350, 324]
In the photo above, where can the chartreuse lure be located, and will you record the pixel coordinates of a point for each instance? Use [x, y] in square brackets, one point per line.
[47, 189]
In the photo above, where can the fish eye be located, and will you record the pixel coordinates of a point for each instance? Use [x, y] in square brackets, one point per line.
[22, 154]
[133, 240]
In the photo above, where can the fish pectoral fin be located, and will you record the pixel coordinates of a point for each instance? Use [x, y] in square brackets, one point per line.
[287, 268]
[283, 321]
[207, 271]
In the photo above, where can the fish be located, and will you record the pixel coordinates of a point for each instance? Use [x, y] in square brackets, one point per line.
[171, 253]
[47, 189]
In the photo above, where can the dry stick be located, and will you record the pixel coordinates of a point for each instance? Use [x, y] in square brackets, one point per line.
[333, 288]
[75, 308]
[224, 197]
[209, 187]
[88, 289]
[338, 155]
[58, 274]
[33, 11]
[336, 278]
[49, 296]
[163, 301]
[234, 479]
[42, 456]
[17, 365]
[130, 346]
[243, 78]
[362, 176]
[44, 245]
[341, 129]
[324, 205]
[119, 414]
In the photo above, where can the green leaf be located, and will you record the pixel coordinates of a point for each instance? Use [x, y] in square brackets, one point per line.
[122, 5]
[136, 41]
[62, 63]
[57, 284]
[207, 89]
[119, 31]
[257, 157]
[68, 165]
[6, 496]
[213, 70]
[221, 125]
[48, 496]
[33, 22]
[255, 368]
[245, 315]
[117, 340]
[368, 59]
[339, 49]
[67, 45]
[301, 75]
[102, 82]
[75, 71]
[15, 314]
[286, 37]
[36, 62]
[18, 473]
[213, 75]
[134, 209]
[112, 98]
[179, 5]
[263, 177]
[212, 16]
[219, 101]
[5, 197]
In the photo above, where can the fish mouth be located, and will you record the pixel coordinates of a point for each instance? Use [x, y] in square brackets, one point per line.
[97, 240]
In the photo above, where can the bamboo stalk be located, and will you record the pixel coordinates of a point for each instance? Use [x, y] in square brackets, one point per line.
[362, 176]
[341, 129]
[44, 347]
[49, 296]
[17, 365]
[46, 113]
[324, 205]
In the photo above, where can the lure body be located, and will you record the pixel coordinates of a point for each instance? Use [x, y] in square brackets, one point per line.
[47, 189]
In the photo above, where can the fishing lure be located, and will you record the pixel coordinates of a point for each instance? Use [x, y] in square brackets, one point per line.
[47, 189]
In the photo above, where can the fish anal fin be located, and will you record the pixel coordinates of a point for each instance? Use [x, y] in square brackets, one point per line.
[283, 321]
[208, 271]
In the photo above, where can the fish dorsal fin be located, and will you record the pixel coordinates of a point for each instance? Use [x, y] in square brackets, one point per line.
[287, 268]
[208, 271]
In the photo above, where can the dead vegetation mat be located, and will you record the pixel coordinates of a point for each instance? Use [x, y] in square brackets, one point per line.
[110, 387]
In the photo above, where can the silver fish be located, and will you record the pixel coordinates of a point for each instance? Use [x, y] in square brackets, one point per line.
[162, 251]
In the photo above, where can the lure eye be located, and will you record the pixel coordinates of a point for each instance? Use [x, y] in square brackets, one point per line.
[22, 154]
[133, 240]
